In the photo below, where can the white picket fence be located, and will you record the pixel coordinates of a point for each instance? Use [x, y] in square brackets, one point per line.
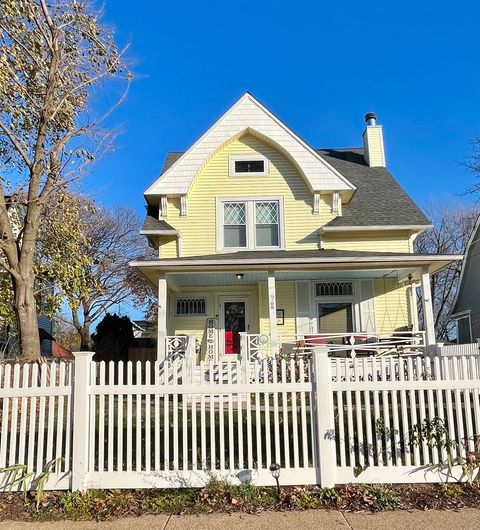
[459, 349]
[324, 420]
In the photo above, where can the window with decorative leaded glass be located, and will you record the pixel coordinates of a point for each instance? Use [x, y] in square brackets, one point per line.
[234, 224]
[250, 223]
[266, 224]
[334, 288]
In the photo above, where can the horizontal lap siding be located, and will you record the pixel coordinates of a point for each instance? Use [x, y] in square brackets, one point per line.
[198, 229]
[391, 305]
[382, 241]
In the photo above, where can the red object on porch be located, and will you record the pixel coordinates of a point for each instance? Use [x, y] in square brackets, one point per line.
[315, 339]
[232, 342]
[358, 339]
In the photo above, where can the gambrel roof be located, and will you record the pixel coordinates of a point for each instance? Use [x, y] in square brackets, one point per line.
[248, 115]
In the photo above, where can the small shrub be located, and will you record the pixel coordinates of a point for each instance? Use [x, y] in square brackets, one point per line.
[330, 497]
[380, 498]
[452, 491]
[172, 501]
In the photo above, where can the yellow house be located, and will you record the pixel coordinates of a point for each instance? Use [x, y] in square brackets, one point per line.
[265, 243]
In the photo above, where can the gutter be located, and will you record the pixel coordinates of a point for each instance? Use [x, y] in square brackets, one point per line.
[372, 228]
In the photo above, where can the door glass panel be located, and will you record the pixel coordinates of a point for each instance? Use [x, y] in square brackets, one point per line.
[234, 325]
[335, 317]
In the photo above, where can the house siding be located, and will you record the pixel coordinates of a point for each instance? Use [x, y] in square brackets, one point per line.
[382, 241]
[469, 289]
[392, 308]
[198, 229]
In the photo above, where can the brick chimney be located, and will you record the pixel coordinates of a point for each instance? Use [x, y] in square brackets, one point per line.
[373, 142]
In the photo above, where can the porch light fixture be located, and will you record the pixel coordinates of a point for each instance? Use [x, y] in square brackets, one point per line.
[239, 275]
[275, 471]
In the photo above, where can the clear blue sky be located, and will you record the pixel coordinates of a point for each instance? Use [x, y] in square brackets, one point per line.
[320, 66]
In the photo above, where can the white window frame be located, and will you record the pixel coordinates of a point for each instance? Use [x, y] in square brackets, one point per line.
[353, 299]
[460, 316]
[250, 223]
[189, 297]
[245, 158]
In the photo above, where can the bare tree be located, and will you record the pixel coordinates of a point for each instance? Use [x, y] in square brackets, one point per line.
[473, 164]
[452, 226]
[54, 56]
[112, 240]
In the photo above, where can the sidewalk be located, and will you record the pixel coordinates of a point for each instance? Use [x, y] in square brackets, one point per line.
[466, 519]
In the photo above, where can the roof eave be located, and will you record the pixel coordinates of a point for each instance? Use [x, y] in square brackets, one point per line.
[372, 228]
[159, 233]
[299, 262]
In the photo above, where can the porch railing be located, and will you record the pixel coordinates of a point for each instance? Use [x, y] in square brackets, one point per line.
[351, 344]
[258, 346]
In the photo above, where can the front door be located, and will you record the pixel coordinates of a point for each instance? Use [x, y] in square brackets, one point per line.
[233, 321]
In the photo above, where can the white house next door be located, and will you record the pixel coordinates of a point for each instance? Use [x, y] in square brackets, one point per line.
[233, 320]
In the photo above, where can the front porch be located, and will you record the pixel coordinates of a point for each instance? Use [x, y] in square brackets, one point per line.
[286, 303]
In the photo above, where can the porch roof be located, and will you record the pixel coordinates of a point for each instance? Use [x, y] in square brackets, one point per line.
[296, 260]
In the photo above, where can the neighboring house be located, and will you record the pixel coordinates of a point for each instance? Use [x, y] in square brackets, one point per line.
[466, 307]
[257, 232]
[143, 329]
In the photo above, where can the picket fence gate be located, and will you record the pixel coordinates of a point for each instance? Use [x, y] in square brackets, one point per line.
[174, 424]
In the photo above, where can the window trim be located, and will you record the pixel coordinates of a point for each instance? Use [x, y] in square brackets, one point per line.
[351, 282]
[461, 316]
[354, 299]
[189, 297]
[243, 158]
[250, 223]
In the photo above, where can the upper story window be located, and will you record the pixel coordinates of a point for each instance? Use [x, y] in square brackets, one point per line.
[248, 165]
[250, 224]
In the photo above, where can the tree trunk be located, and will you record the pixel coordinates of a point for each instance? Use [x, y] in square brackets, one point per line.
[26, 313]
[86, 342]
[83, 329]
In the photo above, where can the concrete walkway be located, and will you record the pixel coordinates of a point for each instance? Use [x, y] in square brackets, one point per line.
[466, 519]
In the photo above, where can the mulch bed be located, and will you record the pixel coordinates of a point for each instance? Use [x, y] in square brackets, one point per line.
[220, 497]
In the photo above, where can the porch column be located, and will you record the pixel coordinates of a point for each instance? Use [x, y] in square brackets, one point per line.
[429, 322]
[162, 318]
[272, 312]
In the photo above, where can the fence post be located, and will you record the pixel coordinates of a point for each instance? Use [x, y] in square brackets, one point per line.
[244, 357]
[324, 417]
[190, 359]
[81, 419]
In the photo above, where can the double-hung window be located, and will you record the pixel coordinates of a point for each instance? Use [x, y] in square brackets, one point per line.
[250, 224]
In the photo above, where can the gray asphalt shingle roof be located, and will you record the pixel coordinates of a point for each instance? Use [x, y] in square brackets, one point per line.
[379, 199]
[151, 223]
